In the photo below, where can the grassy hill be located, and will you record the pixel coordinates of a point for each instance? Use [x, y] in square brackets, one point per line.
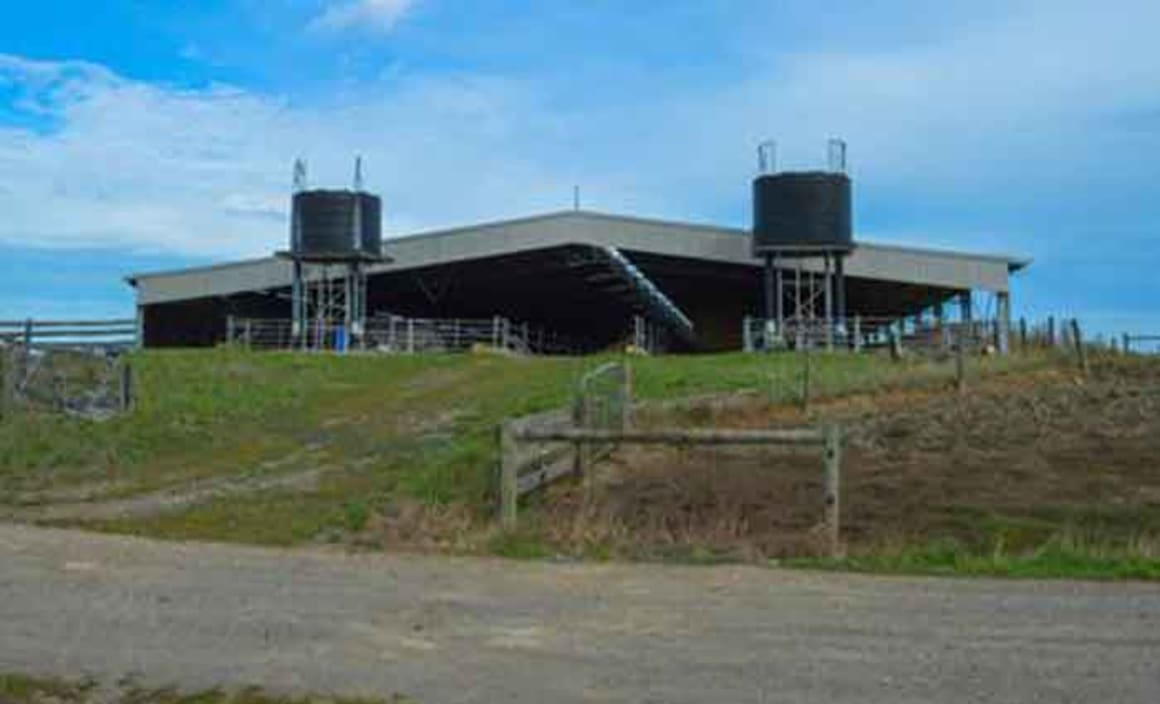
[420, 427]
[400, 451]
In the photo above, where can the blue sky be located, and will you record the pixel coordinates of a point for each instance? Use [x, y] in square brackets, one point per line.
[138, 135]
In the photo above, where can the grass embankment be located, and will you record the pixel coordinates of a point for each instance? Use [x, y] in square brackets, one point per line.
[382, 430]
[400, 449]
[23, 689]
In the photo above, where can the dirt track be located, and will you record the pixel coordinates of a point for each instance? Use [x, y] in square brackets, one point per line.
[477, 630]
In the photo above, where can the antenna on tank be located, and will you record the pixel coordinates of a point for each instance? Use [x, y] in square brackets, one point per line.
[358, 173]
[299, 175]
[836, 155]
[767, 157]
[575, 197]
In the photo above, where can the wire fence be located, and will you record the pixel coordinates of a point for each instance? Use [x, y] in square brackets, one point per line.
[869, 333]
[74, 367]
[899, 336]
[83, 382]
[1141, 344]
[399, 334]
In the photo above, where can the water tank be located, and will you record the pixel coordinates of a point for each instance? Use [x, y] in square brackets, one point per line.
[371, 225]
[336, 224]
[802, 211]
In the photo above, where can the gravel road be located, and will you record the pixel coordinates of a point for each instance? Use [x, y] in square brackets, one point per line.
[480, 630]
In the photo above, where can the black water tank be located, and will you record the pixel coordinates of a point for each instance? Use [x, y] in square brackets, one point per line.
[801, 211]
[372, 224]
[336, 224]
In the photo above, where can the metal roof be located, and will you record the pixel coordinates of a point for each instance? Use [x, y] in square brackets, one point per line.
[931, 267]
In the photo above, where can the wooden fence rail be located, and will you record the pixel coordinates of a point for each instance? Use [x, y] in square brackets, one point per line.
[522, 471]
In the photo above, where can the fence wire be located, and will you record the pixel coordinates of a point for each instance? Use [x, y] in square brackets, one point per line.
[84, 382]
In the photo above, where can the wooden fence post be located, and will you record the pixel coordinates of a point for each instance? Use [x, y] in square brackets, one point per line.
[1127, 344]
[27, 356]
[1080, 351]
[7, 382]
[579, 420]
[806, 381]
[508, 476]
[960, 367]
[833, 481]
[1051, 331]
[126, 386]
[857, 333]
[895, 345]
[626, 396]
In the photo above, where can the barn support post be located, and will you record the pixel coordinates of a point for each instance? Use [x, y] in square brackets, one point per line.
[828, 298]
[770, 289]
[840, 289]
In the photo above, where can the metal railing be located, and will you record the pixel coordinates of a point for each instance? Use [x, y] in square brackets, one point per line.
[867, 333]
[399, 334]
[76, 367]
[113, 333]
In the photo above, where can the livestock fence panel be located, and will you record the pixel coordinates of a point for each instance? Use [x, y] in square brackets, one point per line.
[401, 335]
[864, 333]
[76, 367]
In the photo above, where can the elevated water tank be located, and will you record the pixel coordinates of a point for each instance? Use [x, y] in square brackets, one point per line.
[336, 224]
[801, 212]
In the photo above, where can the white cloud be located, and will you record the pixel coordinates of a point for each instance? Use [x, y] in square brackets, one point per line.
[367, 15]
[208, 172]
[1009, 111]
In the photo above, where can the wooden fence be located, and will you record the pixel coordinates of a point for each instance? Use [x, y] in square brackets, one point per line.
[534, 449]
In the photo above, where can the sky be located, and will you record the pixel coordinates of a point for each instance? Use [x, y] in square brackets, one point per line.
[139, 135]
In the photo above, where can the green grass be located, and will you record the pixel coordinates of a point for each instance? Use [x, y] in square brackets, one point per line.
[1058, 558]
[23, 689]
[1104, 543]
[383, 428]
